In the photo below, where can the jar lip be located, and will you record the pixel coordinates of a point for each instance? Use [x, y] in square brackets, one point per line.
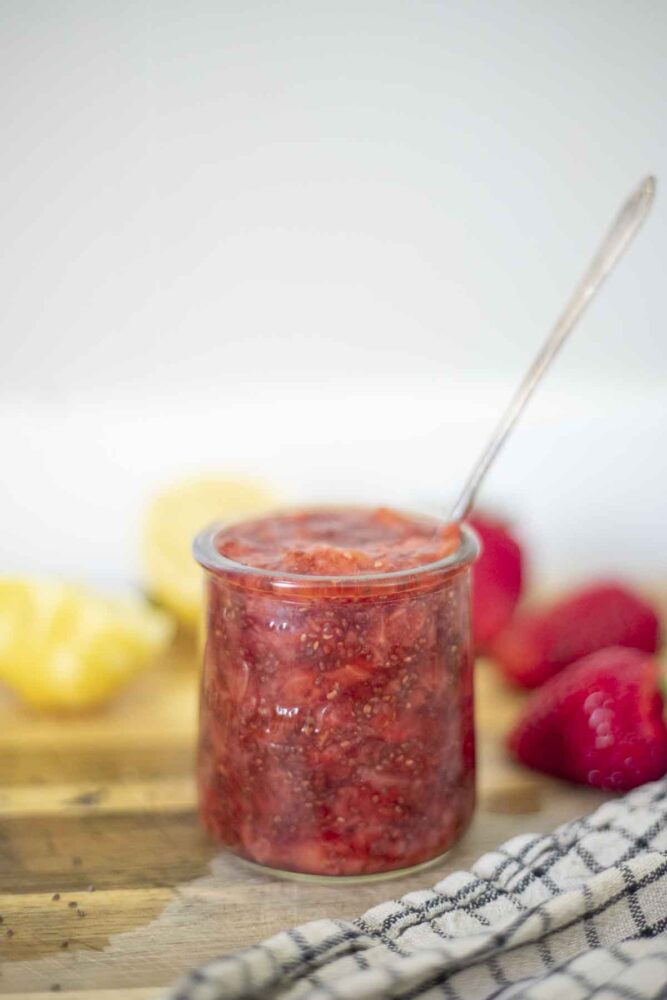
[207, 555]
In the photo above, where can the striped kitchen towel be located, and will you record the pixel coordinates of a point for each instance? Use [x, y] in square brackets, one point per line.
[577, 913]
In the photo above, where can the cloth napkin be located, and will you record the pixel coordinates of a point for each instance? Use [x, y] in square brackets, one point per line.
[577, 913]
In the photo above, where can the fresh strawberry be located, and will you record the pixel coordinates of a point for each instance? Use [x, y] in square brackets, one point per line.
[538, 644]
[600, 722]
[497, 579]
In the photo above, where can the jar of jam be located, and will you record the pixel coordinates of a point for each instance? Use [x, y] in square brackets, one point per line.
[337, 734]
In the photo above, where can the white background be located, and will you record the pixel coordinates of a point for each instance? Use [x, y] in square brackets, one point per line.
[319, 242]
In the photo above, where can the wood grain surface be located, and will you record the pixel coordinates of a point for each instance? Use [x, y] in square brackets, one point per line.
[108, 888]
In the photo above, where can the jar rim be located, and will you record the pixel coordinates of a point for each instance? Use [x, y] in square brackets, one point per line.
[210, 558]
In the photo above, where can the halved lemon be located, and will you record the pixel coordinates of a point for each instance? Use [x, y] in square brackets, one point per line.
[170, 573]
[63, 647]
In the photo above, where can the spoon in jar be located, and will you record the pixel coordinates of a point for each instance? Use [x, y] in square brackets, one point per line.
[624, 229]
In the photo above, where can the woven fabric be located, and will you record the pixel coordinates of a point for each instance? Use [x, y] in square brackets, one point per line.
[577, 913]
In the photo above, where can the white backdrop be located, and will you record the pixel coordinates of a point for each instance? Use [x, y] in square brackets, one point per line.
[320, 242]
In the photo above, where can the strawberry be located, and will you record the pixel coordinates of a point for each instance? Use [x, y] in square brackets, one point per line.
[538, 644]
[600, 721]
[497, 579]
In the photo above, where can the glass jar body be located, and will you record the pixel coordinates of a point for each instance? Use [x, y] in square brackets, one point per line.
[336, 721]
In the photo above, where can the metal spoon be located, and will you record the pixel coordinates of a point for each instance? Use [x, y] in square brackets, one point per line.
[626, 226]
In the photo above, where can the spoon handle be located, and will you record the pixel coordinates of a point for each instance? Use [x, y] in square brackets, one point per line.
[624, 229]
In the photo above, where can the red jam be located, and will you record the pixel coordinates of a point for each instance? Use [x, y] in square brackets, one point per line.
[336, 717]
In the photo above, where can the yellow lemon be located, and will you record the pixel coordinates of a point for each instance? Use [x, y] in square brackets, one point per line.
[171, 576]
[63, 647]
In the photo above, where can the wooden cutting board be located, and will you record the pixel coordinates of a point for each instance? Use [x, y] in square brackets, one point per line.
[109, 890]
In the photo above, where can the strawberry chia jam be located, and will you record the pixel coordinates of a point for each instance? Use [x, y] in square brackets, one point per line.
[337, 711]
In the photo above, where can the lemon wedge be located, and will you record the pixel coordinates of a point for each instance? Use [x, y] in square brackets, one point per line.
[63, 647]
[170, 573]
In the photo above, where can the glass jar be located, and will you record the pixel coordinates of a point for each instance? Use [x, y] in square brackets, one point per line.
[336, 725]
